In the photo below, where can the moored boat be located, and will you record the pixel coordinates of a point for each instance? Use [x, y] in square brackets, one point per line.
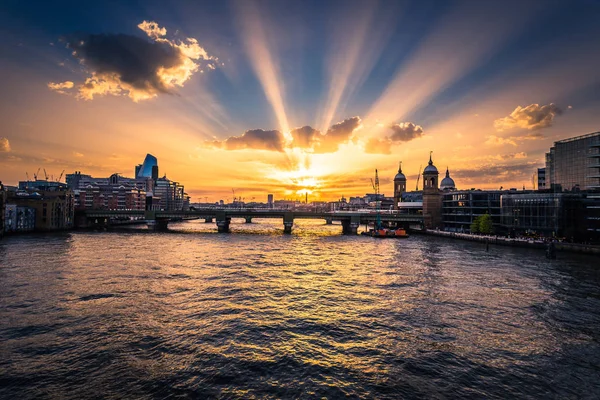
[384, 233]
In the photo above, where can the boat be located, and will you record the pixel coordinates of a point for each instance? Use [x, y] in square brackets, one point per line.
[385, 233]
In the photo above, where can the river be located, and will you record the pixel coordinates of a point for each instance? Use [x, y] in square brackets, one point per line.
[258, 314]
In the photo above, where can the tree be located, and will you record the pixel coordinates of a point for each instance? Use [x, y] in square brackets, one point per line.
[475, 226]
[486, 226]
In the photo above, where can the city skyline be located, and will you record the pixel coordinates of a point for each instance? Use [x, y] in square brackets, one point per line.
[290, 97]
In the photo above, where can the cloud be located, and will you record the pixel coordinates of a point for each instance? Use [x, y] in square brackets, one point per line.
[531, 117]
[305, 137]
[400, 132]
[510, 156]
[4, 145]
[338, 133]
[497, 173]
[121, 64]
[494, 140]
[77, 154]
[405, 131]
[59, 87]
[252, 139]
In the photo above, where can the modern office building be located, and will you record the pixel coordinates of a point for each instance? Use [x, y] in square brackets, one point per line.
[574, 164]
[270, 200]
[148, 169]
[541, 178]
[546, 214]
[460, 208]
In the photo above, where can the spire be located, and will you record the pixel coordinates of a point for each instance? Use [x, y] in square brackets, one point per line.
[400, 167]
[430, 161]
[447, 173]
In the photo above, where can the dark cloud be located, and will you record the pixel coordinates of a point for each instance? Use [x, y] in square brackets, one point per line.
[531, 117]
[337, 134]
[405, 131]
[121, 64]
[305, 137]
[134, 60]
[253, 139]
[402, 132]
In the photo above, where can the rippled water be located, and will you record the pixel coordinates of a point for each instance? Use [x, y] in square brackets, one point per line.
[258, 314]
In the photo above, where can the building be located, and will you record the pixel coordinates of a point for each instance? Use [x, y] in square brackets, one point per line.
[52, 204]
[270, 200]
[113, 193]
[399, 186]
[574, 164]
[170, 194]
[447, 183]
[19, 219]
[546, 214]
[461, 207]
[541, 178]
[432, 199]
[148, 169]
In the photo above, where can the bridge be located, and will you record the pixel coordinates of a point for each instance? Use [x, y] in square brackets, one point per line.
[158, 220]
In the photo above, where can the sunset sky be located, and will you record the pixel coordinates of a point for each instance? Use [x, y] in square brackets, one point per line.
[286, 97]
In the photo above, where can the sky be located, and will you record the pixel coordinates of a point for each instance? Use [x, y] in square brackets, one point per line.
[295, 97]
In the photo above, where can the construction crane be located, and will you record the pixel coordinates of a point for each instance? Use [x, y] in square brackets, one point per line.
[418, 176]
[375, 185]
[36, 174]
[233, 191]
[61, 175]
[27, 174]
[45, 174]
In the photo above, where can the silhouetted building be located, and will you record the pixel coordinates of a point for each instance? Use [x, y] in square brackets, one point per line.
[399, 186]
[546, 214]
[270, 200]
[432, 199]
[541, 178]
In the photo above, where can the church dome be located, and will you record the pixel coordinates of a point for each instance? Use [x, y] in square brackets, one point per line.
[430, 168]
[400, 176]
[447, 182]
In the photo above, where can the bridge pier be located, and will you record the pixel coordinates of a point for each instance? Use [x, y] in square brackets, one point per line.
[248, 220]
[288, 222]
[223, 225]
[158, 225]
[329, 221]
[208, 220]
[350, 226]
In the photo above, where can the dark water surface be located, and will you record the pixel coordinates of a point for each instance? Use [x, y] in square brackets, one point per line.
[258, 314]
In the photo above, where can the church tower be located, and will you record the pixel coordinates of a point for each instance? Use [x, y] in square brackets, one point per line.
[432, 199]
[399, 186]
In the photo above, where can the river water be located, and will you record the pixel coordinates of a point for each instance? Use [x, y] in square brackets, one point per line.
[258, 314]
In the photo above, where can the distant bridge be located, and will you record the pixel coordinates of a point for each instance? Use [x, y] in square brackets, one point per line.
[158, 220]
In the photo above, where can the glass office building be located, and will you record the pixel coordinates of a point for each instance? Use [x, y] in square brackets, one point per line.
[574, 164]
[149, 169]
